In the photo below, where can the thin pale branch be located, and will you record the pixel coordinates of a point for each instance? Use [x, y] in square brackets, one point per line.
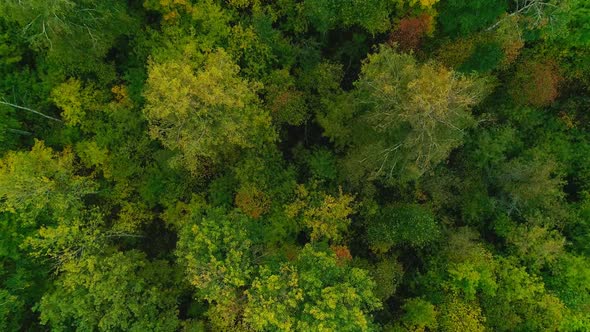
[29, 110]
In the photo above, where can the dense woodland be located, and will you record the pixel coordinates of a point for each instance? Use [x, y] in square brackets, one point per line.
[294, 165]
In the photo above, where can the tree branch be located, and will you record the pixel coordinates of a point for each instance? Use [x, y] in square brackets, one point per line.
[16, 131]
[30, 110]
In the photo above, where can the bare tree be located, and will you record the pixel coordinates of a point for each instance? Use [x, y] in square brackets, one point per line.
[536, 10]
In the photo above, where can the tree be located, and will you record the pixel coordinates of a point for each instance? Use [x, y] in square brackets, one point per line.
[372, 15]
[404, 224]
[419, 314]
[41, 180]
[531, 182]
[414, 115]
[312, 293]
[9, 48]
[76, 102]
[486, 56]
[411, 30]
[459, 315]
[257, 165]
[536, 246]
[566, 36]
[326, 216]
[536, 83]
[509, 35]
[470, 267]
[570, 280]
[72, 32]
[459, 18]
[387, 274]
[23, 279]
[252, 202]
[207, 116]
[119, 291]
[285, 102]
[9, 129]
[270, 183]
[521, 302]
[216, 251]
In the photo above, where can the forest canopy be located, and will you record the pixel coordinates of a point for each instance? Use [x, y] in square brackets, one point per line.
[294, 165]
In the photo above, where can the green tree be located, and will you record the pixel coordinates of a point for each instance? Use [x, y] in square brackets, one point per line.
[387, 274]
[119, 291]
[460, 315]
[570, 280]
[216, 251]
[23, 280]
[536, 246]
[76, 102]
[532, 181]
[521, 302]
[75, 34]
[461, 18]
[313, 293]
[470, 267]
[325, 215]
[419, 314]
[411, 225]
[372, 15]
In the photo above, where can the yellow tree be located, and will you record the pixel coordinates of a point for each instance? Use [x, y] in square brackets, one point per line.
[42, 180]
[413, 115]
[207, 114]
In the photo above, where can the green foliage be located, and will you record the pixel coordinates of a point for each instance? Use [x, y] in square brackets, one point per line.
[521, 302]
[419, 314]
[536, 246]
[313, 293]
[485, 57]
[388, 275]
[402, 225]
[531, 182]
[415, 115]
[570, 280]
[11, 306]
[8, 129]
[458, 315]
[371, 15]
[9, 50]
[470, 266]
[459, 18]
[69, 238]
[76, 34]
[322, 165]
[76, 101]
[42, 180]
[122, 291]
[22, 279]
[215, 250]
[214, 102]
[327, 216]
[310, 165]
[286, 103]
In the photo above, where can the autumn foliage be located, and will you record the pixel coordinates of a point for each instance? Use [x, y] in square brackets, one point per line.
[252, 202]
[295, 165]
[410, 31]
[342, 254]
[536, 83]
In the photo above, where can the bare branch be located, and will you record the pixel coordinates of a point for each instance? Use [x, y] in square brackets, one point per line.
[29, 110]
[16, 131]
